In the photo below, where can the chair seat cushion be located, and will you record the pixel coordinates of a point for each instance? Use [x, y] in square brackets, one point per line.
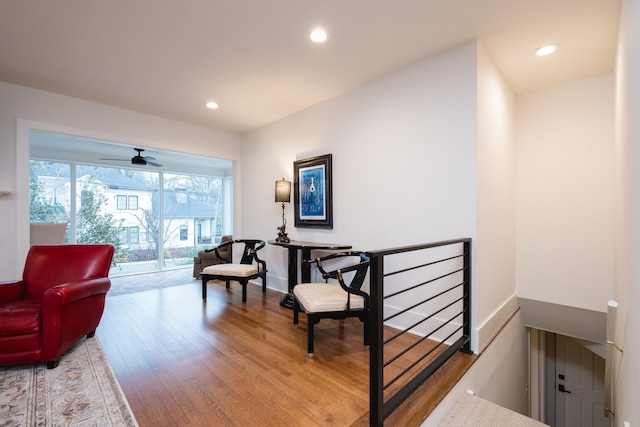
[235, 270]
[322, 297]
[20, 317]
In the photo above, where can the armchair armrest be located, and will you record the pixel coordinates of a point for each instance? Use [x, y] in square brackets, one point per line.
[223, 250]
[11, 291]
[69, 311]
[67, 293]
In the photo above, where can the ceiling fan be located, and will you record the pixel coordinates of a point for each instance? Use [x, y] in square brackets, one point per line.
[138, 159]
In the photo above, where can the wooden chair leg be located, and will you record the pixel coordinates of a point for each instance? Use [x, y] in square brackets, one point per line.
[366, 332]
[204, 288]
[244, 292]
[310, 323]
[296, 310]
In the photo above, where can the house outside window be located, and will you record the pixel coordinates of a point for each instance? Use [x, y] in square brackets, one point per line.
[127, 235]
[134, 235]
[184, 232]
[133, 202]
[127, 202]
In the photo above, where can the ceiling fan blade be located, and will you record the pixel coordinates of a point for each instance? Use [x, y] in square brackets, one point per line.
[138, 159]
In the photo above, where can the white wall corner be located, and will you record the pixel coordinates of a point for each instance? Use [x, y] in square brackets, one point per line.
[484, 333]
[277, 283]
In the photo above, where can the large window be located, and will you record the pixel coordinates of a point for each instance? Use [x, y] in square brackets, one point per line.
[155, 219]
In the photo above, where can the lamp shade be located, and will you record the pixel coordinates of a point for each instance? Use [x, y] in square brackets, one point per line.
[283, 191]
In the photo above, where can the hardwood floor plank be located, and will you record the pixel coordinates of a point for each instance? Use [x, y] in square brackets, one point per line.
[181, 361]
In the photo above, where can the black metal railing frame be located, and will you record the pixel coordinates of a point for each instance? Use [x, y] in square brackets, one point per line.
[379, 409]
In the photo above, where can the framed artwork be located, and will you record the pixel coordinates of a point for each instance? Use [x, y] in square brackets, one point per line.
[313, 201]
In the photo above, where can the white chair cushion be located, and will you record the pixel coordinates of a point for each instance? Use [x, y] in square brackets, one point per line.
[237, 270]
[320, 297]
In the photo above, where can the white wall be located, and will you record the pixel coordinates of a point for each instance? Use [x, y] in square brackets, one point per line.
[20, 107]
[404, 161]
[495, 255]
[406, 165]
[564, 166]
[627, 204]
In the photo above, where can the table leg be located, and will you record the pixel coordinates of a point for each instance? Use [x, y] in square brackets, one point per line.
[305, 268]
[287, 300]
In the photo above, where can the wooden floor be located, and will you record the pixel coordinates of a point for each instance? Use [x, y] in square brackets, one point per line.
[183, 362]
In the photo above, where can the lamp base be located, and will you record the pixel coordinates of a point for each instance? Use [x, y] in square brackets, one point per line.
[282, 233]
[282, 238]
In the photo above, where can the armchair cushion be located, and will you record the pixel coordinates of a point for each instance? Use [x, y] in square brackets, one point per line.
[235, 270]
[20, 317]
[321, 297]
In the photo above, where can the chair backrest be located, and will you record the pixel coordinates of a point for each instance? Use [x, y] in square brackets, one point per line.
[360, 268]
[251, 247]
[227, 252]
[47, 266]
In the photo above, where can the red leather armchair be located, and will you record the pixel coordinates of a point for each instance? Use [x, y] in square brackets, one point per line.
[59, 300]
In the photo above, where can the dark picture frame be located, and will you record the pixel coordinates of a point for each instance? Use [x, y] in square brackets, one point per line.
[313, 195]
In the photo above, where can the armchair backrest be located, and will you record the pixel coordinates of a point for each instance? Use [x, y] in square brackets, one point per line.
[251, 247]
[47, 266]
[226, 251]
[360, 268]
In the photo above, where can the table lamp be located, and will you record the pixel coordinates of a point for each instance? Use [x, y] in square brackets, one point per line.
[283, 195]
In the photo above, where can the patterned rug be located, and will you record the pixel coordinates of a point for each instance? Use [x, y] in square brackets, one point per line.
[81, 391]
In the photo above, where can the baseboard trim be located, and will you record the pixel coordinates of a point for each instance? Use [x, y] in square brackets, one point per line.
[484, 334]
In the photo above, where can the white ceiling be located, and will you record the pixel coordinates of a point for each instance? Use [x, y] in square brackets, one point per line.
[253, 57]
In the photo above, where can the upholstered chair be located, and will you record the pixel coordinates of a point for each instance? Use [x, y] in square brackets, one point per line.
[339, 299]
[209, 257]
[59, 300]
[249, 267]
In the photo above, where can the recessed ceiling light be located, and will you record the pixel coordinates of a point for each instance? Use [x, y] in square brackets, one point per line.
[546, 50]
[318, 35]
[212, 105]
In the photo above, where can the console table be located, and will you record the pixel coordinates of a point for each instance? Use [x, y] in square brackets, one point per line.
[305, 247]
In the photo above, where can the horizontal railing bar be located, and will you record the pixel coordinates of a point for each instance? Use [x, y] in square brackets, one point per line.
[421, 340]
[398, 250]
[416, 267]
[395, 401]
[423, 320]
[386, 297]
[420, 359]
[422, 302]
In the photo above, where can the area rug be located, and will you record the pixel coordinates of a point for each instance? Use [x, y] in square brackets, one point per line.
[81, 391]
